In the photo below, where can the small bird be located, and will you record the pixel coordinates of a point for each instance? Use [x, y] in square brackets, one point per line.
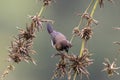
[58, 40]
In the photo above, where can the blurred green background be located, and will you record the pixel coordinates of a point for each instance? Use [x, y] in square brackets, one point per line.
[14, 13]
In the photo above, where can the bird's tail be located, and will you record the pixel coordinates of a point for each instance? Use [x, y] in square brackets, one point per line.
[49, 28]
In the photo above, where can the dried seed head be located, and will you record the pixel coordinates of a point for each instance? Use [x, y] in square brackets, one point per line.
[79, 64]
[76, 31]
[15, 57]
[117, 42]
[86, 33]
[110, 68]
[7, 70]
[61, 67]
[47, 2]
[70, 63]
[116, 28]
[101, 2]
[86, 16]
[21, 47]
[89, 19]
[27, 34]
[37, 22]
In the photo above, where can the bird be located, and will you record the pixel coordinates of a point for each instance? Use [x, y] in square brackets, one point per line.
[58, 40]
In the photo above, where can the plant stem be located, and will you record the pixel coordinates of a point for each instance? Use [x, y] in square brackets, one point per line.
[75, 75]
[94, 8]
[92, 13]
[72, 38]
[41, 10]
[80, 22]
[83, 40]
[81, 51]
[82, 47]
[92, 1]
[9, 68]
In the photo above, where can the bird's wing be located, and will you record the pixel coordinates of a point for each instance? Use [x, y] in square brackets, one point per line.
[57, 37]
[53, 44]
[53, 41]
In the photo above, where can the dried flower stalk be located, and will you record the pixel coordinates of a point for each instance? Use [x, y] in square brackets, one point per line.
[70, 63]
[21, 47]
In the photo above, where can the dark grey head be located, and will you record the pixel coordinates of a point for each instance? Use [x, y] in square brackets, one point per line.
[64, 45]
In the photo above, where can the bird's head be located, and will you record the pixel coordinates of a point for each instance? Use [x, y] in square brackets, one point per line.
[63, 45]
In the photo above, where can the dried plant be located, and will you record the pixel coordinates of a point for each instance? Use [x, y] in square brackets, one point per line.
[70, 65]
[86, 33]
[20, 50]
[110, 68]
[6, 71]
[21, 47]
[117, 42]
[101, 2]
[79, 64]
[89, 18]
[76, 31]
[47, 2]
[61, 66]
[37, 21]
[73, 65]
